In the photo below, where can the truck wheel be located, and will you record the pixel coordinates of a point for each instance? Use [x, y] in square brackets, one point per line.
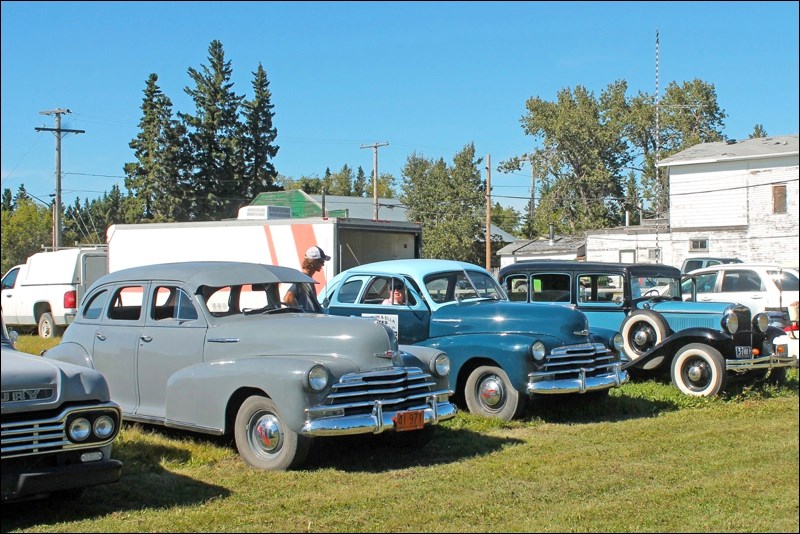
[641, 331]
[699, 370]
[47, 326]
[489, 392]
[264, 440]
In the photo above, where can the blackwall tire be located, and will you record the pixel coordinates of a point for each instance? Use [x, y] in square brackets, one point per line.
[489, 392]
[263, 439]
[641, 331]
[699, 370]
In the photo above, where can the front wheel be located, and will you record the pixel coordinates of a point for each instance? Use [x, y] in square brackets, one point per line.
[489, 392]
[699, 370]
[641, 331]
[263, 439]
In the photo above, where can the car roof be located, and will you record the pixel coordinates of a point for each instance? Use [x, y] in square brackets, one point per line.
[415, 268]
[210, 273]
[726, 266]
[571, 265]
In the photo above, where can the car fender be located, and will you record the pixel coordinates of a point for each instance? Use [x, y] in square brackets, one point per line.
[201, 393]
[673, 343]
[509, 351]
[71, 353]
[422, 357]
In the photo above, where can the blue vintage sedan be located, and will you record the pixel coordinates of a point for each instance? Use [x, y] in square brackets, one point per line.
[502, 353]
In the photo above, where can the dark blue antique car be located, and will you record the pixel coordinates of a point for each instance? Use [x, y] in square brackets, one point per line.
[502, 353]
[701, 344]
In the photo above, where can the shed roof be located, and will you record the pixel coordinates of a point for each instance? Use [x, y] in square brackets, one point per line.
[731, 150]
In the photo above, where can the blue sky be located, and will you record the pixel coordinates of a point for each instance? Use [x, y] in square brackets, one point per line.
[426, 77]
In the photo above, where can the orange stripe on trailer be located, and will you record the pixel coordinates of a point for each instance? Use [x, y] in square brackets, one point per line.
[270, 245]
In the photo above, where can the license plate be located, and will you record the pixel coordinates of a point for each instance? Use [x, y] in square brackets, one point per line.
[413, 420]
[744, 352]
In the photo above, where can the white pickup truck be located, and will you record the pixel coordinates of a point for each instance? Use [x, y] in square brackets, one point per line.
[45, 291]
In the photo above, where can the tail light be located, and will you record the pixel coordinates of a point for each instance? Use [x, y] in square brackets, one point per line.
[70, 299]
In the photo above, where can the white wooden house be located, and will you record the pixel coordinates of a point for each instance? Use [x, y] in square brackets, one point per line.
[735, 198]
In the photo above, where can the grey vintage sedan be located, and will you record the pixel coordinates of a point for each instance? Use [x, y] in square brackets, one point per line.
[209, 347]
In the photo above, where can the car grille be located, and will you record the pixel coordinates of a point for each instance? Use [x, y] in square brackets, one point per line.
[593, 359]
[49, 434]
[397, 388]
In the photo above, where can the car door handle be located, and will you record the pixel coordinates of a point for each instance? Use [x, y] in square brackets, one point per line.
[100, 336]
[146, 339]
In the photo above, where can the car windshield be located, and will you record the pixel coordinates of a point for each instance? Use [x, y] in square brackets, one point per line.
[655, 286]
[460, 285]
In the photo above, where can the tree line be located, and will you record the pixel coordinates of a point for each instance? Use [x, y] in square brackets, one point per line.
[593, 159]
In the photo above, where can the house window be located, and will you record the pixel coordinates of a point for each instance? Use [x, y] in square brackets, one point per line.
[778, 199]
[654, 254]
[698, 245]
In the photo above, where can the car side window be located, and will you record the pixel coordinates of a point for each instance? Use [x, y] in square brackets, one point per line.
[94, 307]
[705, 282]
[377, 290]
[602, 289]
[172, 302]
[10, 279]
[550, 287]
[349, 291]
[126, 304]
[517, 287]
[785, 280]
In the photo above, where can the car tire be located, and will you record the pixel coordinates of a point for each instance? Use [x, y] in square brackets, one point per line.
[777, 376]
[699, 370]
[264, 440]
[641, 331]
[489, 392]
[47, 326]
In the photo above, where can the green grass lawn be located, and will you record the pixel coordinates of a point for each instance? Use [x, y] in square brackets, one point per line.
[645, 459]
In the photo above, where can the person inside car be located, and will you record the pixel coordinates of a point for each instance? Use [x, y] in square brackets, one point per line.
[397, 294]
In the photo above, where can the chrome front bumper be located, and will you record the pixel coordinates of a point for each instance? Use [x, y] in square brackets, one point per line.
[546, 384]
[379, 420]
[769, 361]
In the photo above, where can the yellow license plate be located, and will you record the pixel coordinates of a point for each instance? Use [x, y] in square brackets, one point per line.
[412, 420]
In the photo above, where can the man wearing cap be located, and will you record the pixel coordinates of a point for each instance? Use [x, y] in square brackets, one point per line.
[304, 296]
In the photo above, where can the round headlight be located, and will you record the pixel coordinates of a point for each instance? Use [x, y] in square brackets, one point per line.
[618, 342]
[79, 429]
[761, 322]
[538, 350]
[730, 322]
[317, 377]
[440, 366]
[103, 427]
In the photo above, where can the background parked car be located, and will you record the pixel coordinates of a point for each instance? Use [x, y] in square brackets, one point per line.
[690, 264]
[502, 353]
[701, 345]
[209, 347]
[58, 426]
[761, 287]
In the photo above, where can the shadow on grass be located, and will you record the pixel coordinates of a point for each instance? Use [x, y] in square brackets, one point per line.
[368, 453]
[144, 485]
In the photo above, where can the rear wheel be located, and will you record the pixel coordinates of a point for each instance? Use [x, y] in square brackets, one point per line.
[699, 370]
[47, 326]
[489, 392]
[263, 439]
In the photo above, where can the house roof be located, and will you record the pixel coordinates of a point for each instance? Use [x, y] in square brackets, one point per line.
[542, 246]
[731, 150]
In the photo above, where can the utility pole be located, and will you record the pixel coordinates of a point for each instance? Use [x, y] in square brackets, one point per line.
[374, 147]
[58, 131]
[488, 212]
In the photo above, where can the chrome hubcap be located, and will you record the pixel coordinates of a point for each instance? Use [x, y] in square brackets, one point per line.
[265, 434]
[491, 391]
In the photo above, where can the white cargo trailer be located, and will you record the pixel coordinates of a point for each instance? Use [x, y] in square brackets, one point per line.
[348, 241]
